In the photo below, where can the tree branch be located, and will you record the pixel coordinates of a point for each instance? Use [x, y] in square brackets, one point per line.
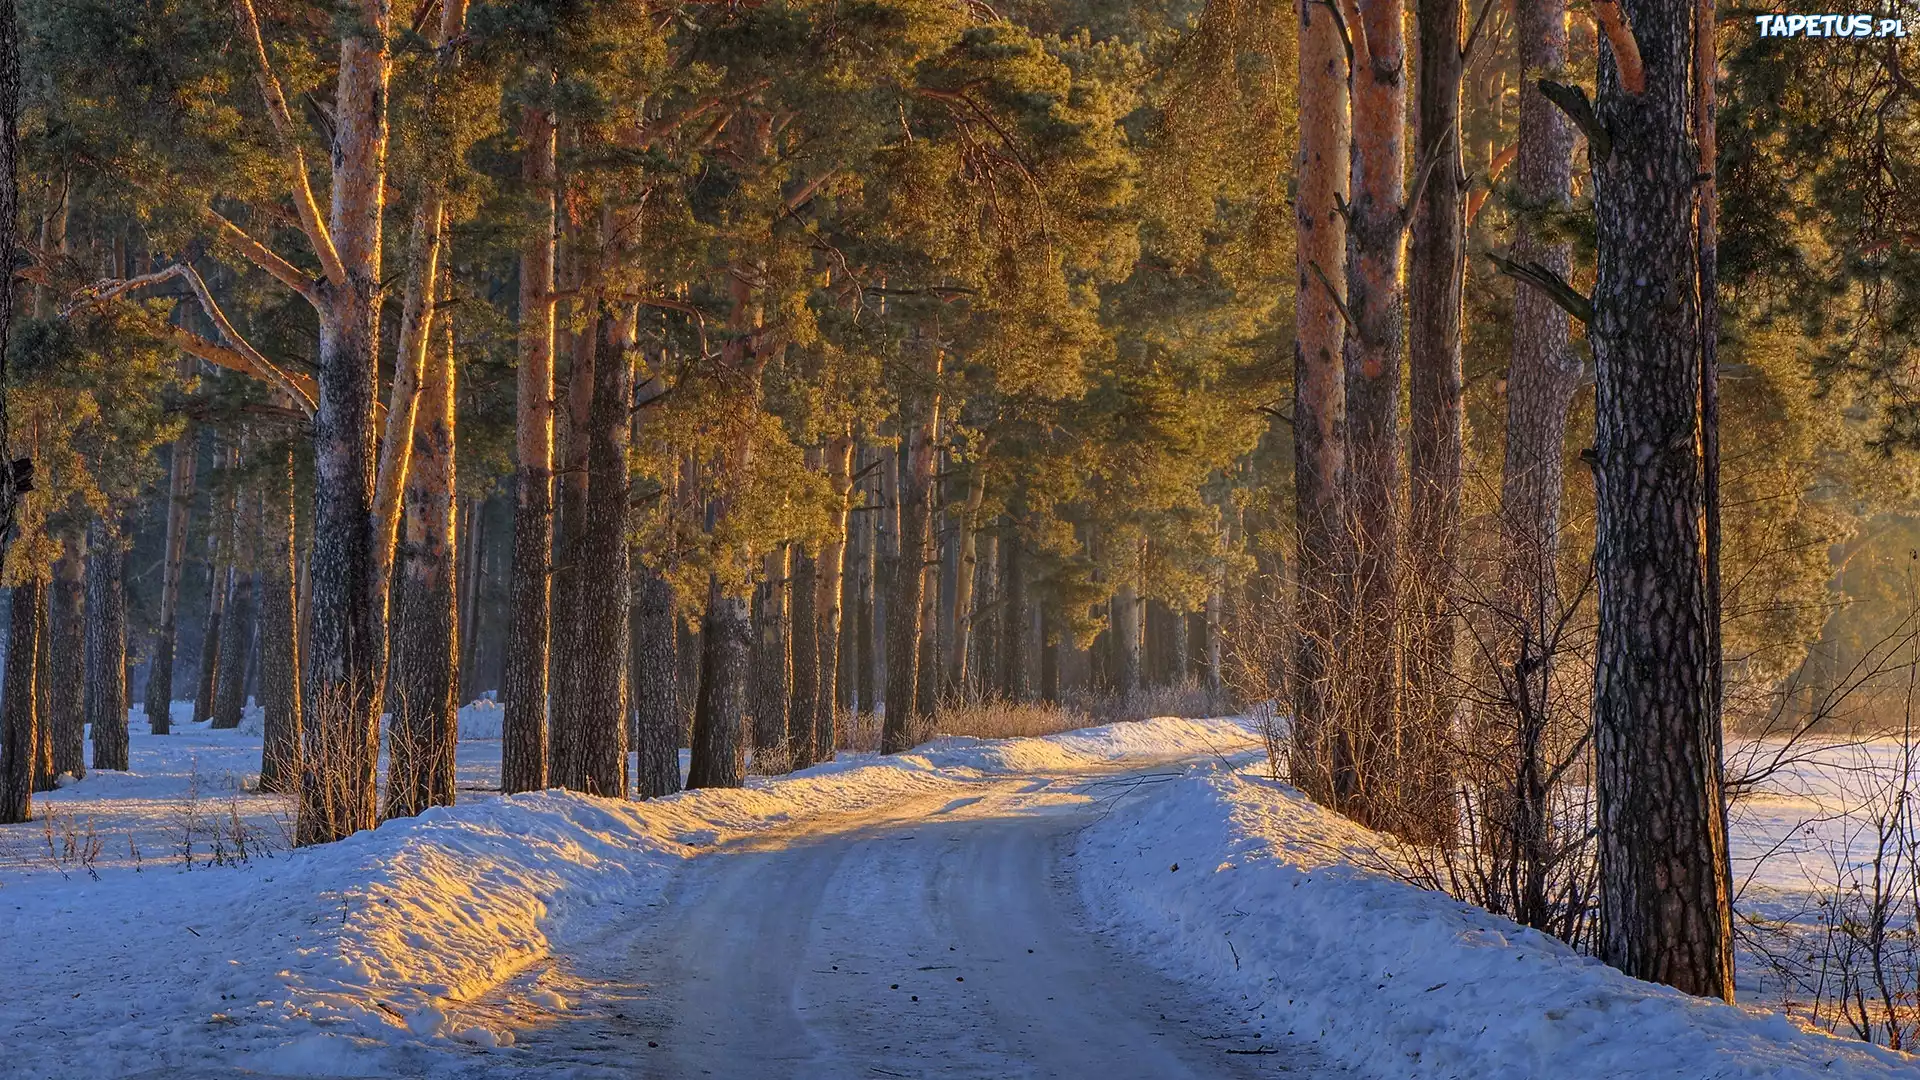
[1572, 100]
[264, 257]
[237, 354]
[311, 222]
[1626, 48]
[1564, 296]
[1334, 295]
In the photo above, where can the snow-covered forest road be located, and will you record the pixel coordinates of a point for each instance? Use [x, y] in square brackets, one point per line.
[942, 937]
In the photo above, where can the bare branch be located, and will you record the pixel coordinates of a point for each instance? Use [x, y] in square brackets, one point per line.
[1565, 296]
[296, 160]
[1626, 48]
[264, 257]
[249, 360]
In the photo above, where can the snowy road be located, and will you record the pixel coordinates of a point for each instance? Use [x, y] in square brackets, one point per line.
[936, 939]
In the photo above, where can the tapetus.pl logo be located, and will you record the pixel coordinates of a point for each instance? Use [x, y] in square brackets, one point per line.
[1830, 26]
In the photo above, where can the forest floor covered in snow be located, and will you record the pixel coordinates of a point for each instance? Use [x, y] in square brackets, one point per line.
[161, 920]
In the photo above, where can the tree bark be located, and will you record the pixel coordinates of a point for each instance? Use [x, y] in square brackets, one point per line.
[596, 709]
[1127, 609]
[831, 585]
[346, 612]
[9, 237]
[280, 696]
[805, 624]
[1664, 887]
[230, 697]
[66, 657]
[222, 535]
[1434, 445]
[1542, 377]
[106, 647]
[963, 595]
[1014, 617]
[566, 754]
[726, 637]
[908, 579]
[524, 684]
[159, 697]
[1374, 356]
[423, 734]
[19, 724]
[1319, 407]
[43, 774]
[769, 665]
[655, 686]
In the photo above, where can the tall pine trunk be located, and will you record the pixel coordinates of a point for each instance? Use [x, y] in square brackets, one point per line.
[159, 699]
[830, 583]
[655, 687]
[66, 659]
[1436, 277]
[1376, 224]
[907, 587]
[236, 642]
[769, 665]
[106, 646]
[726, 637]
[866, 571]
[968, 572]
[596, 707]
[805, 622]
[19, 721]
[1543, 375]
[423, 734]
[222, 534]
[1015, 656]
[280, 696]
[1319, 408]
[1664, 890]
[566, 760]
[523, 740]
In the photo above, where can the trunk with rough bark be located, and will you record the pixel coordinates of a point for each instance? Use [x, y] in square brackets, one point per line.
[907, 588]
[1664, 890]
[236, 642]
[523, 740]
[655, 691]
[66, 660]
[805, 623]
[1435, 279]
[19, 706]
[106, 647]
[769, 665]
[984, 653]
[1127, 608]
[1543, 374]
[1367, 772]
[596, 707]
[423, 733]
[830, 583]
[346, 612]
[280, 696]
[1319, 408]
[963, 586]
[1016, 685]
[222, 528]
[159, 698]
[43, 775]
[719, 710]
[572, 573]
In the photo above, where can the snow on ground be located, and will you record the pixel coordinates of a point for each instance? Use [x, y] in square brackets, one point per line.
[1238, 882]
[349, 959]
[355, 958]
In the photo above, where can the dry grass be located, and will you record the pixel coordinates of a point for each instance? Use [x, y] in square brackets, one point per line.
[993, 719]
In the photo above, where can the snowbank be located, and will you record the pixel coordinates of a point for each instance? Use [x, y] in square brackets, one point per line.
[1240, 883]
[352, 958]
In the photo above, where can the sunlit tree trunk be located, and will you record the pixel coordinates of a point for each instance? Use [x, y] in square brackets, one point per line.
[1319, 408]
[830, 583]
[344, 651]
[769, 664]
[1015, 658]
[523, 740]
[655, 689]
[803, 596]
[597, 704]
[907, 584]
[572, 574]
[423, 732]
[1664, 891]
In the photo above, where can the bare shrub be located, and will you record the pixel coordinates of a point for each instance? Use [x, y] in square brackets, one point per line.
[1000, 719]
